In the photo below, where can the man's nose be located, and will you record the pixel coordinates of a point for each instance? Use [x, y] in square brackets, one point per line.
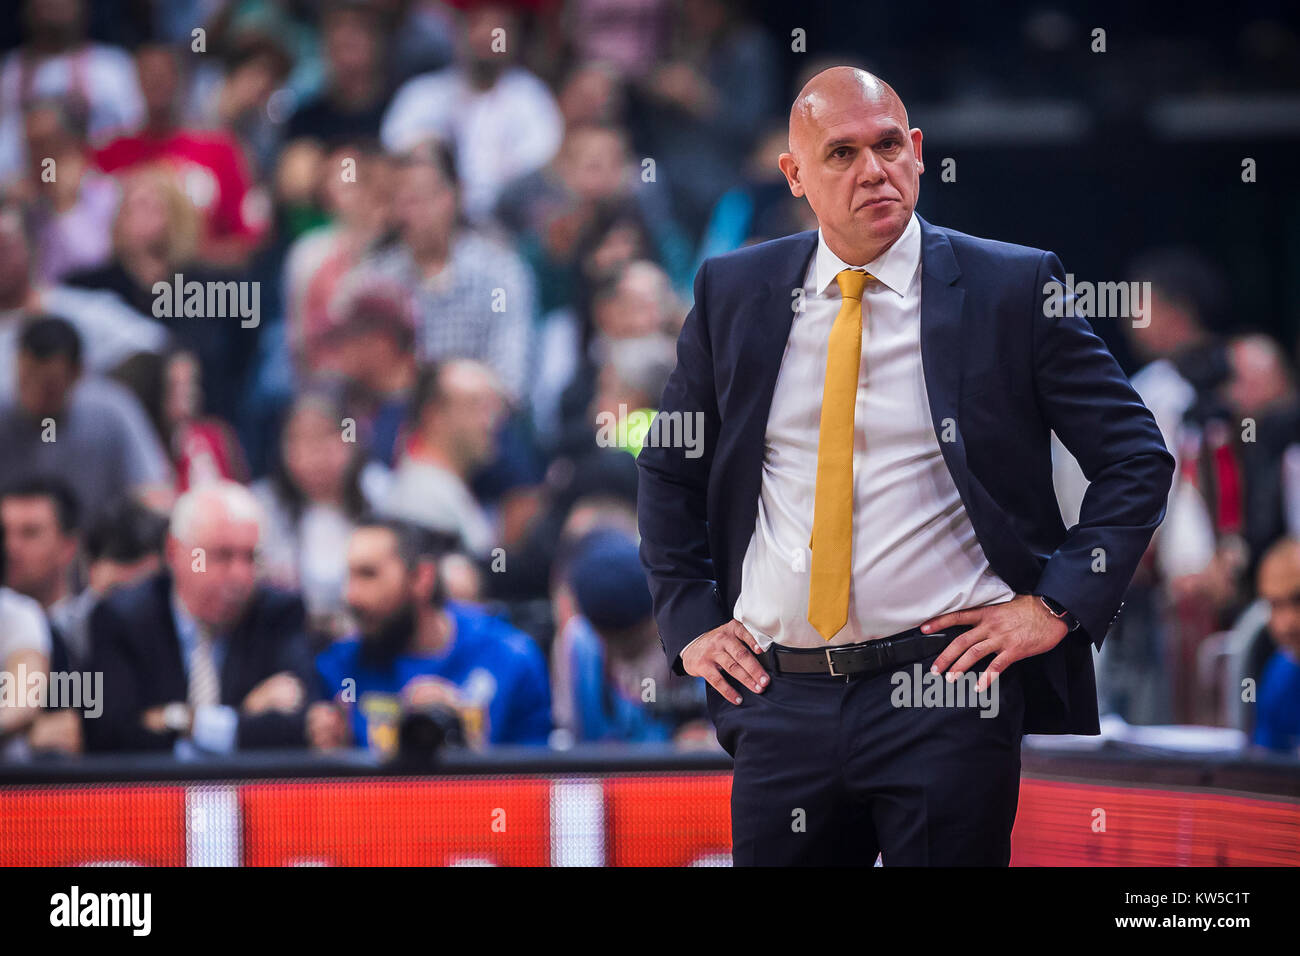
[871, 170]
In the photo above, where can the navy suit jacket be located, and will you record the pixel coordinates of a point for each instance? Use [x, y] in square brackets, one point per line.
[134, 643]
[1000, 375]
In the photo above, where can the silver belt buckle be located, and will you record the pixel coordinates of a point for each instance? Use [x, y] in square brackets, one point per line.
[830, 662]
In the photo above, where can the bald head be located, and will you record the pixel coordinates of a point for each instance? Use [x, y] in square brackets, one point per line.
[830, 91]
[1278, 580]
[854, 158]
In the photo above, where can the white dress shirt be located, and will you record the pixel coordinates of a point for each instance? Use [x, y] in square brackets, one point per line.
[915, 554]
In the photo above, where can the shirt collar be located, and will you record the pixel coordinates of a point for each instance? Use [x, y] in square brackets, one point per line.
[895, 267]
[187, 627]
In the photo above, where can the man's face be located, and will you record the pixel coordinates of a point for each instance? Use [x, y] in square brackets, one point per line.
[44, 384]
[472, 409]
[858, 165]
[595, 164]
[217, 583]
[350, 46]
[36, 549]
[159, 80]
[426, 206]
[15, 261]
[380, 586]
[1279, 585]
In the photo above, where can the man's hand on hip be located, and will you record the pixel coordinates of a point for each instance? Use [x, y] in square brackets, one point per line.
[1015, 629]
[728, 648]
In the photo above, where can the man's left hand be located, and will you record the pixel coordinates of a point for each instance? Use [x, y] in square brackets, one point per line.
[1015, 629]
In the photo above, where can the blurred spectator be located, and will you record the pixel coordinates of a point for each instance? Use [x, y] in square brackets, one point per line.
[371, 347]
[40, 523]
[414, 650]
[356, 88]
[70, 205]
[89, 432]
[473, 298]
[243, 94]
[169, 387]
[202, 657]
[455, 413]
[634, 317]
[208, 164]
[1189, 583]
[760, 206]
[501, 120]
[611, 680]
[154, 240]
[422, 36]
[1262, 396]
[239, 24]
[123, 547]
[700, 109]
[555, 207]
[1277, 726]
[356, 183]
[321, 485]
[109, 330]
[591, 93]
[40, 518]
[154, 235]
[631, 38]
[57, 61]
[24, 648]
[604, 480]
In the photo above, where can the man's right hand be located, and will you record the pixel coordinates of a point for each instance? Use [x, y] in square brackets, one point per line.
[731, 649]
[282, 692]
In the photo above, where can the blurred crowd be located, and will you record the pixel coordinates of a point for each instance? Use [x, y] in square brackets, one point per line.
[313, 321]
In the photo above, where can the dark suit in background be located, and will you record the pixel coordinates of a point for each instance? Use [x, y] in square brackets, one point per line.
[134, 643]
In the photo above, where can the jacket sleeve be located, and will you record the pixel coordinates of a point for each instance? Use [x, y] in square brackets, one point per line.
[275, 728]
[1088, 401]
[118, 726]
[673, 491]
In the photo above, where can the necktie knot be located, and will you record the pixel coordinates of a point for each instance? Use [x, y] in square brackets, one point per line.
[852, 282]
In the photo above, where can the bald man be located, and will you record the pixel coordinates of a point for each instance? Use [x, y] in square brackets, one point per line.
[865, 559]
[203, 658]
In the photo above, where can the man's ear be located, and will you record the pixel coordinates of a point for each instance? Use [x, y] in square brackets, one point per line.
[790, 167]
[171, 548]
[916, 137]
[426, 579]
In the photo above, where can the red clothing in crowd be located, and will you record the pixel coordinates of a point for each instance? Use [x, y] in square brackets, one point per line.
[210, 169]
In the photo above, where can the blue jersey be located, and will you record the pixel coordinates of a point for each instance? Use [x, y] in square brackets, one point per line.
[601, 712]
[500, 673]
[1277, 725]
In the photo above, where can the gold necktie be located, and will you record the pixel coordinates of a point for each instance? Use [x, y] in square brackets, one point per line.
[832, 532]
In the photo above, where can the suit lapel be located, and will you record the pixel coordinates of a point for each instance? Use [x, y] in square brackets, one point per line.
[765, 339]
[942, 343]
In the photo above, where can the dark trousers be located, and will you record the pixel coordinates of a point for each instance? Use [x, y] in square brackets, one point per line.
[829, 772]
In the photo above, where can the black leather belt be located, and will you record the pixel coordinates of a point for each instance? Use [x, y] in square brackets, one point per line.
[859, 660]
